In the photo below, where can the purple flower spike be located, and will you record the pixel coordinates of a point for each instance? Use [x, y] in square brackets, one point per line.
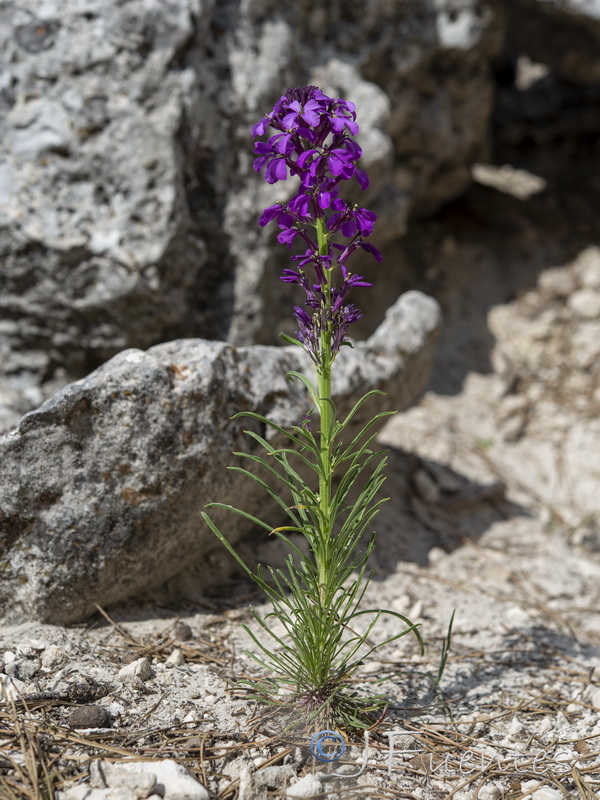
[313, 139]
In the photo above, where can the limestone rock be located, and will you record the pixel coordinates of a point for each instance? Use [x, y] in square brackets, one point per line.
[84, 792]
[165, 778]
[104, 775]
[102, 486]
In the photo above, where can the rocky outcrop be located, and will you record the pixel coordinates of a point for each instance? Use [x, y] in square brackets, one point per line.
[128, 204]
[103, 484]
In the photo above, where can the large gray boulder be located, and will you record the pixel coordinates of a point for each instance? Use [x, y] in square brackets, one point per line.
[102, 486]
[128, 204]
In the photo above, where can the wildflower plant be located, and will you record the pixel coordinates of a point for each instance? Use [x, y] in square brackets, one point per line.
[317, 595]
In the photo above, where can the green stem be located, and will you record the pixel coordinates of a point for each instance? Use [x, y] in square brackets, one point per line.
[326, 426]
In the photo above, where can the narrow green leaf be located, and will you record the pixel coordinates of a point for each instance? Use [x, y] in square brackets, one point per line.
[310, 387]
[290, 340]
[239, 512]
[228, 546]
[358, 405]
[270, 424]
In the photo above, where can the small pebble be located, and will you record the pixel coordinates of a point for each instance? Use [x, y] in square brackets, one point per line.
[435, 555]
[23, 668]
[517, 616]
[182, 631]
[515, 727]
[116, 709]
[192, 716]
[489, 791]
[514, 427]
[274, 777]
[427, 487]
[53, 657]
[247, 789]
[592, 695]
[172, 778]
[83, 791]
[12, 687]
[527, 786]
[137, 670]
[547, 793]
[564, 756]
[308, 786]
[545, 725]
[416, 612]
[25, 650]
[401, 604]
[176, 658]
[371, 668]
[90, 717]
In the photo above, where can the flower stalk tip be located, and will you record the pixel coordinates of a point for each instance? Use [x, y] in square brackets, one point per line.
[313, 140]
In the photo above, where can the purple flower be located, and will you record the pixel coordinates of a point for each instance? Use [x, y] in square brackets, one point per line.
[352, 221]
[353, 280]
[260, 127]
[307, 114]
[319, 263]
[300, 205]
[278, 211]
[288, 235]
[344, 318]
[308, 333]
[370, 248]
[281, 142]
